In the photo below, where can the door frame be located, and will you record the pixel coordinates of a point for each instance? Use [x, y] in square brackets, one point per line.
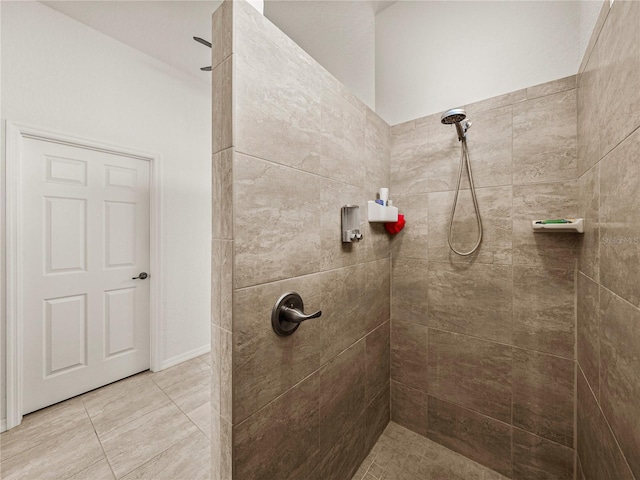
[15, 134]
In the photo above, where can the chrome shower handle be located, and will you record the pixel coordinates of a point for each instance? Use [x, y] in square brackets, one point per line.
[288, 313]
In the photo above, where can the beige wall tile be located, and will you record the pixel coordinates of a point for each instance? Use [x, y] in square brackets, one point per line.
[413, 240]
[507, 99]
[342, 394]
[223, 87]
[277, 230]
[378, 415]
[377, 154]
[216, 368]
[544, 310]
[544, 139]
[344, 319]
[409, 408]
[282, 439]
[579, 472]
[543, 395]
[472, 373]
[619, 50]
[226, 374]
[444, 155]
[343, 138]
[345, 456]
[541, 201]
[588, 109]
[265, 365]
[620, 364]
[409, 354]
[599, 454]
[410, 154]
[495, 205]
[221, 283]
[222, 192]
[588, 328]
[552, 87]
[278, 97]
[475, 436]
[490, 147]
[249, 20]
[222, 43]
[377, 293]
[619, 220]
[410, 290]
[471, 299]
[378, 361]
[535, 458]
[589, 209]
[221, 448]
[377, 241]
[304, 147]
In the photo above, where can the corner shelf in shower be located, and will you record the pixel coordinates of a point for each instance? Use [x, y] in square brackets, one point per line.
[576, 226]
[380, 213]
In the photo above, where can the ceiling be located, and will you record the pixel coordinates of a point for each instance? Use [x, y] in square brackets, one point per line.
[164, 29]
[161, 29]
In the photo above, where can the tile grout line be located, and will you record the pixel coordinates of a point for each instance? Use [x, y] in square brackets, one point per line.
[99, 441]
[140, 417]
[303, 275]
[606, 421]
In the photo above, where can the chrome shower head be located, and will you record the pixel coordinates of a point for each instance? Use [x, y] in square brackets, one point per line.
[455, 115]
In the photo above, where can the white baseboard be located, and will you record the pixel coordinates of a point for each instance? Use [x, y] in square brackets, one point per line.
[183, 357]
[3, 425]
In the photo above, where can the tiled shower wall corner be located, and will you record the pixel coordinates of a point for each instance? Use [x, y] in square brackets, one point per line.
[294, 147]
[482, 347]
[608, 283]
[222, 245]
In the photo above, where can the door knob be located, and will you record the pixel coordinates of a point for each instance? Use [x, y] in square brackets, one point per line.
[142, 276]
[288, 314]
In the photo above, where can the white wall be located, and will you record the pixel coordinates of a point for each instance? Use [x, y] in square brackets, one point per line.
[435, 55]
[339, 35]
[587, 16]
[60, 75]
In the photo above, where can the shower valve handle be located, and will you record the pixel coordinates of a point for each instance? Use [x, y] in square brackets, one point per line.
[293, 315]
[288, 314]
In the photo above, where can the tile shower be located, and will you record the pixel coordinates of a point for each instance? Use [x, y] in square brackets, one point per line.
[482, 347]
[477, 354]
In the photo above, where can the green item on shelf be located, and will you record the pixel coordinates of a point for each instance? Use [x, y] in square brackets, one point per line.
[559, 220]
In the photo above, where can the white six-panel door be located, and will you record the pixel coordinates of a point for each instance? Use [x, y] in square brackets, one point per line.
[85, 225]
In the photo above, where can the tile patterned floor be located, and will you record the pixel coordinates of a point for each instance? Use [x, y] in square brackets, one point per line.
[149, 426]
[153, 425]
[401, 454]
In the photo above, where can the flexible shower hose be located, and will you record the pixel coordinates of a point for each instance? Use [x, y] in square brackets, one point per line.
[464, 155]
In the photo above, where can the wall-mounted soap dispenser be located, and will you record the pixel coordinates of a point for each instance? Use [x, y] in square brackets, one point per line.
[351, 224]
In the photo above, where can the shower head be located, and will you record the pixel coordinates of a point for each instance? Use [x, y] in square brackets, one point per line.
[455, 115]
